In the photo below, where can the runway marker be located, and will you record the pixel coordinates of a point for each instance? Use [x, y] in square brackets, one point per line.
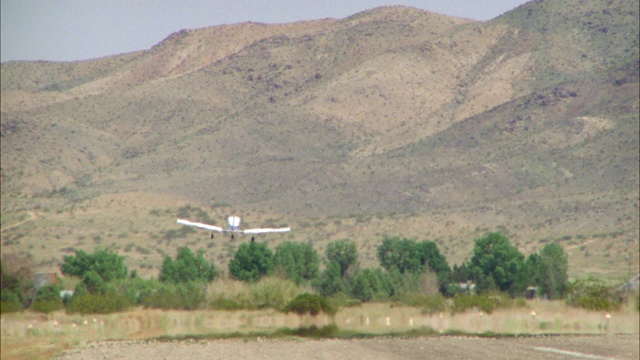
[573, 353]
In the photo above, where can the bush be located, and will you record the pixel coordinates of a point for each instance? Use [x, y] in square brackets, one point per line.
[484, 302]
[311, 304]
[251, 262]
[94, 283]
[224, 303]
[16, 281]
[344, 253]
[296, 261]
[429, 303]
[330, 281]
[98, 304]
[273, 293]
[190, 296]
[136, 288]
[9, 307]
[105, 263]
[592, 294]
[371, 284]
[9, 296]
[48, 299]
[341, 299]
[47, 306]
[187, 267]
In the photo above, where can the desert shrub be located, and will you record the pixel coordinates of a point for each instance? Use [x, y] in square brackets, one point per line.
[592, 294]
[487, 302]
[48, 299]
[189, 296]
[224, 303]
[176, 234]
[269, 292]
[47, 306]
[342, 299]
[428, 303]
[10, 306]
[11, 301]
[273, 293]
[136, 288]
[310, 304]
[16, 280]
[98, 303]
[94, 283]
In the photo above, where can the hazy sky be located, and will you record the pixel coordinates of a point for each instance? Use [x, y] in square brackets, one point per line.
[64, 30]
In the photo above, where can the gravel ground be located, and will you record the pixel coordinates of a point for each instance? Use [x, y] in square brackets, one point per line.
[444, 347]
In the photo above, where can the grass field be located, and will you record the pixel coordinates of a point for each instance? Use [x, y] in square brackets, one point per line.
[29, 335]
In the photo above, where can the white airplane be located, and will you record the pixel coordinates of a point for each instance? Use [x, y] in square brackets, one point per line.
[233, 223]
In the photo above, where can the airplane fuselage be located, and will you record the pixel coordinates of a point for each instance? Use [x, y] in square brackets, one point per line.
[234, 223]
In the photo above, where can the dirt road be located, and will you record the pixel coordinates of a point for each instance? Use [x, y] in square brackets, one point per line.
[444, 347]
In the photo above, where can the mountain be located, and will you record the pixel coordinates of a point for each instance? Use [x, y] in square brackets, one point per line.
[392, 121]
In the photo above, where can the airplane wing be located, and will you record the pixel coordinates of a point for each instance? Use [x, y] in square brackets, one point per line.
[266, 230]
[201, 225]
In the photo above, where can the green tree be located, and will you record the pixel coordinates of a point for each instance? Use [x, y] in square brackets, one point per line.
[251, 261]
[16, 280]
[106, 263]
[459, 273]
[344, 253]
[298, 261]
[409, 256]
[48, 299]
[495, 263]
[187, 267]
[400, 254]
[371, 284]
[94, 283]
[330, 281]
[431, 257]
[551, 272]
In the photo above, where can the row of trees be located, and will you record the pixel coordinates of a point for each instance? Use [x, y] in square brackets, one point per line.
[498, 265]
[406, 267]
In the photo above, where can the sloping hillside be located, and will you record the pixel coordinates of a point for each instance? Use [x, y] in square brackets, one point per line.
[392, 121]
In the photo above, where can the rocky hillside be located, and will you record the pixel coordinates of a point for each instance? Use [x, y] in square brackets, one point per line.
[528, 122]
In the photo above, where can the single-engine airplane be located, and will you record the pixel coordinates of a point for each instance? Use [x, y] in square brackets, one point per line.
[233, 223]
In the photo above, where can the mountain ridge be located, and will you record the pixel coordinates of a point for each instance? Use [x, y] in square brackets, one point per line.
[521, 122]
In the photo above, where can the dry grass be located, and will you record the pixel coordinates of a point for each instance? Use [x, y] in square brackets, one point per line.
[29, 335]
[136, 231]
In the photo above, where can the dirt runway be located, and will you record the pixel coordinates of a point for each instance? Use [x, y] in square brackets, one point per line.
[439, 347]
